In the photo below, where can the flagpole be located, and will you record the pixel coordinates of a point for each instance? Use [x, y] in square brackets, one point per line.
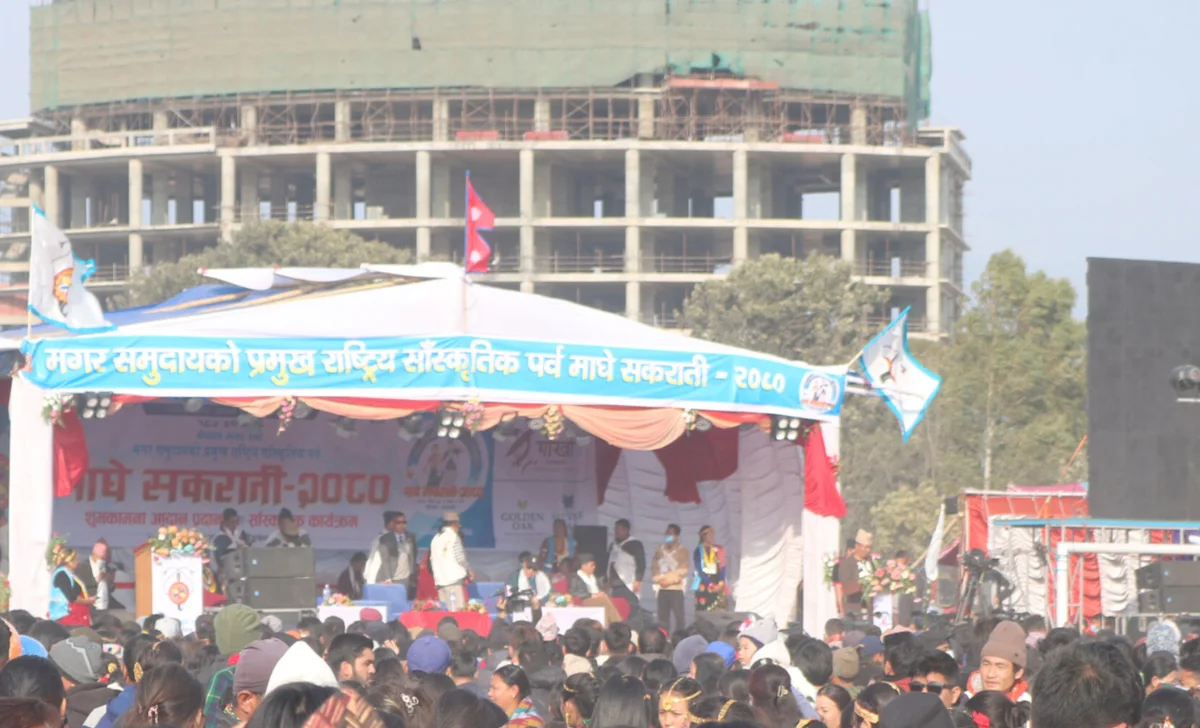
[466, 245]
[29, 284]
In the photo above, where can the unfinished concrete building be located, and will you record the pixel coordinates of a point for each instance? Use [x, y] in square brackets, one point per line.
[630, 148]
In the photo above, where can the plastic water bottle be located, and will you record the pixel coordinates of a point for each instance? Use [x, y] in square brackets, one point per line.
[326, 593]
[453, 605]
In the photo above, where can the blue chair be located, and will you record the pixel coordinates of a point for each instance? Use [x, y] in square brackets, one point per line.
[395, 596]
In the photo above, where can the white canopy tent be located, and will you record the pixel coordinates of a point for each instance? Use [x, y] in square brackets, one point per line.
[366, 305]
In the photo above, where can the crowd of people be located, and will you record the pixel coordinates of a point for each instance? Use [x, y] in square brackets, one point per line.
[241, 669]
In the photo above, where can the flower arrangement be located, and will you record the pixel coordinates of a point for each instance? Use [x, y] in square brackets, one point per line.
[5, 592]
[892, 577]
[176, 541]
[472, 411]
[338, 600]
[474, 605]
[54, 406]
[57, 551]
[561, 600]
[829, 564]
[287, 412]
[428, 605]
[555, 422]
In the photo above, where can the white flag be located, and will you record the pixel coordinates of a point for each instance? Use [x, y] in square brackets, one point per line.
[906, 386]
[935, 547]
[56, 278]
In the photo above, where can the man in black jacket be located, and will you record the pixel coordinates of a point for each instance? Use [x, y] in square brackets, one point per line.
[626, 565]
[78, 660]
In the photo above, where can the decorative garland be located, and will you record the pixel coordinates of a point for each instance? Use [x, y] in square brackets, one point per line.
[5, 592]
[287, 412]
[338, 600]
[555, 422]
[56, 551]
[472, 411]
[428, 605]
[54, 406]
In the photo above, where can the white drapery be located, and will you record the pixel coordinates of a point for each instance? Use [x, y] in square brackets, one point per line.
[30, 499]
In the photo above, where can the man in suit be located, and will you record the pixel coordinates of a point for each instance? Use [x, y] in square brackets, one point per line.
[626, 565]
[393, 558]
[97, 577]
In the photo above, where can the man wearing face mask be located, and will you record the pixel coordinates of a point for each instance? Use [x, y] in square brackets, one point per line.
[670, 567]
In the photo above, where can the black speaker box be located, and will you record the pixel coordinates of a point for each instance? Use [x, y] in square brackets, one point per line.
[1150, 601]
[278, 563]
[1168, 573]
[262, 593]
[720, 619]
[1181, 599]
[593, 540]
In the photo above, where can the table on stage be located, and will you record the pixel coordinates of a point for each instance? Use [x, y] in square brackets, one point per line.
[351, 614]
[478, 621]
[565, 617]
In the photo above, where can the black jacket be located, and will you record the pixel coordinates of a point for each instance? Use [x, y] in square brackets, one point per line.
[83, 699]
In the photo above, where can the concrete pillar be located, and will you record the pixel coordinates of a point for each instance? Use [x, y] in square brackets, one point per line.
[248, 207]
[136, 254]
[228, 196]
[161, 122]
[423, 204]
[184, 199]
[633, 184]
[343, 191]
[528, 196]
[850, 246]
[248, 121]
[645, 117]
[935, 216]
[78, 131]
[37, 194]
[858, 125]
[741, 205]
[541, 115]
[160, 195]
[853, 192]
[934, 207]
[78, 212]
[341, 121]
[441, 119]
[321, 206]
[633, 300]
[53, 196]
[633, 249]
[137, 177]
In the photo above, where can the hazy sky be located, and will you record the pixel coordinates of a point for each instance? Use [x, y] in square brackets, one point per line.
[1076, 114]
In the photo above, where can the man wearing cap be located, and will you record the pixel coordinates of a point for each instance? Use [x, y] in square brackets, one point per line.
[250, 678]
[429, 654]
[1002, 663]
[393, 558]
[848, 588]
[79, 662]
[236, 626]
[288, 535]
[448, 561]
[845, 670]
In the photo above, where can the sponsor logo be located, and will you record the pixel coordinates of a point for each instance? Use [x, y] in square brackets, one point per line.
[820, 392]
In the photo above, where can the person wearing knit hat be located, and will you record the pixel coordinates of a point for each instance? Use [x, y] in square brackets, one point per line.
[301, 665]
[755, 633]
[1163, 637]
[79, 662]
[169, 627]
[915, 710]
[236, 625]
[1002, 661]
[846, 666]
[255, 665]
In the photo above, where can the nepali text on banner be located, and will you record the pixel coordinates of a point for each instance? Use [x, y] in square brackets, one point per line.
[435, 368]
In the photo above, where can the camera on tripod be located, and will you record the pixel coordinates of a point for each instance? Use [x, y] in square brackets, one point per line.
[1185, 380]
[977, 562]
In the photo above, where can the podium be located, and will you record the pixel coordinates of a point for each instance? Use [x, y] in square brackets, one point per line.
[172, 586]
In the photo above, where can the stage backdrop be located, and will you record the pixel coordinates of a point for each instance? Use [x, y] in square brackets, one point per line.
[151, 470]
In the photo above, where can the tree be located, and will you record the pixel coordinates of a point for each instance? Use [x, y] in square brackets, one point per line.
[809, 309]
[261, 244]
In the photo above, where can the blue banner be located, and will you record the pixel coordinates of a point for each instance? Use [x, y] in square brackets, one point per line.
[445, 368]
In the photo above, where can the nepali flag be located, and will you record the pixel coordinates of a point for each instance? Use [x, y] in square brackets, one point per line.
[479, 217]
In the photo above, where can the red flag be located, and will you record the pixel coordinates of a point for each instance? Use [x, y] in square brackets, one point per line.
[821, 495]
[70, 454]
[479, 217]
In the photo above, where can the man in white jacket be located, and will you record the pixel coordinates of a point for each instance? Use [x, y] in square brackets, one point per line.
[448, 560]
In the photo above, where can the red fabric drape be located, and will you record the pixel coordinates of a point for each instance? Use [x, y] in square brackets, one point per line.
[821, 494]
[1090, 599]
[70, 454]
[708, 455]
[607, 456]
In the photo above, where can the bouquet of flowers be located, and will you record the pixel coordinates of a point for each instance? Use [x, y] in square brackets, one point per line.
[561, 600]
[829, 564]
[891, 577]
[176, 541]
[54, 406]
[475, 605]
[429, 605]
[338, 600]
[473, 413]
[5, 592]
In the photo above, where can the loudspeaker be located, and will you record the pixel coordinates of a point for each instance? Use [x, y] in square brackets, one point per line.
[593, 540]
[1181, 599]
[1168, 573]
[721, 620]
[1150, 601]
[260, 593]
[278, 563]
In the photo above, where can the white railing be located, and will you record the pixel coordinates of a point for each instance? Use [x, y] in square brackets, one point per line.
[108, 140]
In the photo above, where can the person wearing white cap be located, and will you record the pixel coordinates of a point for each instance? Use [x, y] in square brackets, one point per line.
[448, 561]
[849, 585]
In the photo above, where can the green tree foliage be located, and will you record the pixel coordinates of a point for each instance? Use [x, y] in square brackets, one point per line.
[1012, 405]
[809, 309]
[261, 244]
